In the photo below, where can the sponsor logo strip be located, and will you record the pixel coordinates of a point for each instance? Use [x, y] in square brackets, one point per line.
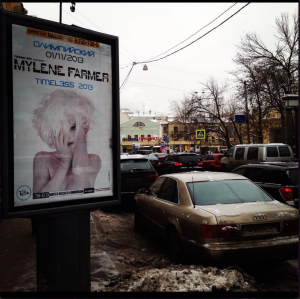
[62, 37]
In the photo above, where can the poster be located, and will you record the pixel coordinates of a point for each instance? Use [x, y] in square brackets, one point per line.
[62, 117]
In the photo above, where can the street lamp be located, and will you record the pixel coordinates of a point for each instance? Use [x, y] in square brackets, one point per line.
[145, 68]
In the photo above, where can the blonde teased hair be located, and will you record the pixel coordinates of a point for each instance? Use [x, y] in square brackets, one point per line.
[56, 109]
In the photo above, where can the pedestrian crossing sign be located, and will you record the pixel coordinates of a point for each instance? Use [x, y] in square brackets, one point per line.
[200, 134]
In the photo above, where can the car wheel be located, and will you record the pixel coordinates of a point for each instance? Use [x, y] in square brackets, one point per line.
[175, 247]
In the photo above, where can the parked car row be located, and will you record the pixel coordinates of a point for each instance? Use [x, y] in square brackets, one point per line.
[247, 215]
[279, 179]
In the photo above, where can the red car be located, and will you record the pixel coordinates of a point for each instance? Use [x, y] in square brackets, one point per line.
[212, 161]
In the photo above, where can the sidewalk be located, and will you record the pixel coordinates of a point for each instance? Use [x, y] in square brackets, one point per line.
[17, 256]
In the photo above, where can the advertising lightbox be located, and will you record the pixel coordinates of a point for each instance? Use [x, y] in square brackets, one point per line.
[60, 117]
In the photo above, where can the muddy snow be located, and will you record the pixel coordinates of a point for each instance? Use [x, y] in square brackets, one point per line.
[179, 278]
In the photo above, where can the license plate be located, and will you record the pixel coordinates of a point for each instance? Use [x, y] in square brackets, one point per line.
[260, 229]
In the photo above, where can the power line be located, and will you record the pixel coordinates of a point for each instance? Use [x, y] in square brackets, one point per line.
[196, 31]
[149, 61]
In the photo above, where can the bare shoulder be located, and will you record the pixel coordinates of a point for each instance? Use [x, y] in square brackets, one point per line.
[43, 155]
[41, 159]
[95, 161]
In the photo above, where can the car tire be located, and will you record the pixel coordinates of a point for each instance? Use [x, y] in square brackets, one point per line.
[175, 247]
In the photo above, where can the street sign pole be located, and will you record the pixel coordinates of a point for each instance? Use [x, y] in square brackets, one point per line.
[247, 113]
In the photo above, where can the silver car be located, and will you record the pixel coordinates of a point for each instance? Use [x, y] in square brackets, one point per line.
[217, 216]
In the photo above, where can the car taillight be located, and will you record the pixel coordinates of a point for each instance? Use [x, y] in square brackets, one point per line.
[158, 163]
[218, 231]
[178, 164]
[286, 193]
[290, 226]
[199, 163]
[153, 177]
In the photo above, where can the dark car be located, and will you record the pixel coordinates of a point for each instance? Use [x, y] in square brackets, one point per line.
[212, 161]
[279, 179]
[160, 156]
[179, 162]
[136, 173]
[153, 160]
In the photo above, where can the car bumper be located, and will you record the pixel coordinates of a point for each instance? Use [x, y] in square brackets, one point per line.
[283, 248]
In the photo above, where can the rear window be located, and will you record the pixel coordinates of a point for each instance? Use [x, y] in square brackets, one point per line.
[226, 192]
[188, 158]
[284, 151]
[272, 152]
[220, 157]
[127, 165]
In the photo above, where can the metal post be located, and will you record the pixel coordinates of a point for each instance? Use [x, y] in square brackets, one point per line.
[63, 253]
[60, 12]
[247, 113]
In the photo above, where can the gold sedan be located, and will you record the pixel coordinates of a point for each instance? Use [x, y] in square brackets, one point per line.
[217, 216]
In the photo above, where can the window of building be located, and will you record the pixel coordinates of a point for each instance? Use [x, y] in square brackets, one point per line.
[165, 129]
[175, 130]
[139, 124]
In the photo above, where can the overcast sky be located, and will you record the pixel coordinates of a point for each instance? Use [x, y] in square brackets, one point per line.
[146, 30]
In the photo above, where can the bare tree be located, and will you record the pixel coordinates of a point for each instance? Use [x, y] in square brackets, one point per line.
[271, 72]
[211, 105]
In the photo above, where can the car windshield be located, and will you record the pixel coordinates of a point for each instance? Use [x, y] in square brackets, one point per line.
[129, 164]
[226, 192]
[188, 158]
[293, 176]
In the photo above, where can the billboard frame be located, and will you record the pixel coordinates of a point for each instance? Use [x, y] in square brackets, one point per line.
[8, 209]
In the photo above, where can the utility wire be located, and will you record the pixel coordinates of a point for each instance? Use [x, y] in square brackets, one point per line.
[127, 76]
[149, 61]
[195, 32]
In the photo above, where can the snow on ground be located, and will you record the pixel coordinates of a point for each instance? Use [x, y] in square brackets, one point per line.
[178, 278]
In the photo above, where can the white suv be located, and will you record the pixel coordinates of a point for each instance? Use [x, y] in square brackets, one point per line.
[254, 153]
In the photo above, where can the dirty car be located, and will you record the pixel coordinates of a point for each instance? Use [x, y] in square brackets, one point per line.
[217, 216]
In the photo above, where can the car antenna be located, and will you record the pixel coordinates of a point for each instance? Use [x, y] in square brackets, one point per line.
[193, 193]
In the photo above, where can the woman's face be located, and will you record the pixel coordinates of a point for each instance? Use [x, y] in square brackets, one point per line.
[77, 133]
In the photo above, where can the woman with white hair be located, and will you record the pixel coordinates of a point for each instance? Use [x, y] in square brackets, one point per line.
[62, 122]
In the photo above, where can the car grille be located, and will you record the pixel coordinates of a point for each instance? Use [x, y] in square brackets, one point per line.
[260, 229]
